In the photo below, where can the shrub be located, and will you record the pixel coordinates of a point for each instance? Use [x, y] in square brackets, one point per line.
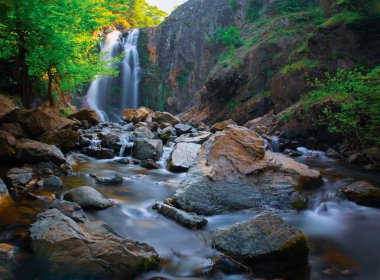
[229, 37]
[232, 4]
[354, 107]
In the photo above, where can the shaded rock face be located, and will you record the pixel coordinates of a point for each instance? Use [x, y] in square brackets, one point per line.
[19, 176]
[30, 151]
[65, 139]
[148, 149]
[263, 241]
[234, 172]
[88, 198]
[179, 54]
[91, 249]
[362, 193]
[86, 114]
[15, 129]
[99, 153]
[6, 106]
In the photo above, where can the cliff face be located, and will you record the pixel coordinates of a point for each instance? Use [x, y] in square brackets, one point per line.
[188, 69]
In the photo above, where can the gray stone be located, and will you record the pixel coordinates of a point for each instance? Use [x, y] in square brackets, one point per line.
[148, 149]
[183, 156]
[70, 209]
[89, 249]
[262, 241]
[51, 183]
[141, 132]
[99, 153]
[3, 190]
[88, 198]
[185, 219]
[149, 164]
[362, 193]
[196, 139]
[116, 179]
[19, 176]
[182, 128]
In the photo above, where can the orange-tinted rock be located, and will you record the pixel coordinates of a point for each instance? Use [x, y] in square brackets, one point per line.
[6, 106]
[86, 114]
[165, 117]
[7, 147]
[220, 126]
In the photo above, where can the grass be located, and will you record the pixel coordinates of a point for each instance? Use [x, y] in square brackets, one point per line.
[344, 17]
[302, 64]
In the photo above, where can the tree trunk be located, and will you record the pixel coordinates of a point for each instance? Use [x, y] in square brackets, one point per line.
[24, 75]
[50, 88]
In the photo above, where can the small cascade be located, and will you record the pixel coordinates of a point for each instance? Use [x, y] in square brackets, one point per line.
[108, 96]
[130, 71]
[95, 142]
[126, 145]
[275, 144]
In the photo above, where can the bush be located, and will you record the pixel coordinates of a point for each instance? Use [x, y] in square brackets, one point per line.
[354, 107]
[232, 4]
[229, 37]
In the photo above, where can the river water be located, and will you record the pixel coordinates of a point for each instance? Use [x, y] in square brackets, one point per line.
[344, 238]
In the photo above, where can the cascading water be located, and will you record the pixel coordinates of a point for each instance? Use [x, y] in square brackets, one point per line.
[110, 95]
[130, 71]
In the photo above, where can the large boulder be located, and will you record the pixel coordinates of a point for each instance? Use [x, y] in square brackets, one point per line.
[40, 120]
[6, 106]
[88, 198]
[30, 151]
[148, 149]
[141, 132]
[190, 138]
[65, 139]
[86, 114]
[15, 129]
[7, 147]
[265, 241]
[140, 115]
[183, 156]
[128, 115]
[362, 193]
[233, 172]
[165, 117]
[92, 250]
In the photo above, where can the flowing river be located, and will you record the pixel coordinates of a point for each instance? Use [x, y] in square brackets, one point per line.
[344, 237]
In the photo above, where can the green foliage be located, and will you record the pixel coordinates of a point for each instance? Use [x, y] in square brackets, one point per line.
[302, 64]
[287, 116]
[253, 11]
[231, 105]
[163, 95]
[343, 17]
[230, 37]
[66, 111]
[353, 107]
[232, 4]
[184, 75]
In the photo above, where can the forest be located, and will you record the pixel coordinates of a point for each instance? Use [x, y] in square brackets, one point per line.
[198, 139]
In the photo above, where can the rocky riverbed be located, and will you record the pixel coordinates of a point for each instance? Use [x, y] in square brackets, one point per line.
[152, 197]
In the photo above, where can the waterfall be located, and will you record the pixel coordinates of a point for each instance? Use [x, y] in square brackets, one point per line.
[130, 71]
[108, 96]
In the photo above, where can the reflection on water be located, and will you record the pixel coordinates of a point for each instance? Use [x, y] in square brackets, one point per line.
[344, 237]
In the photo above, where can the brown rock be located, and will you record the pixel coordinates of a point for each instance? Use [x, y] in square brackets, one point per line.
[165, 117]
[128, 115]
[221, 125]
[65, 139]
[362, 193]
[15, 129]
[6, 106]
[86, 114]
[7, 147]
[34, 152]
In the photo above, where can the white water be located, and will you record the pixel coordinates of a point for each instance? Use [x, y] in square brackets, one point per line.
[108, 96]
[130, 71]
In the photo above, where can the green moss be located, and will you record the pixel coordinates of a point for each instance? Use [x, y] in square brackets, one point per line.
[344, 17]
[302, 64]
[184, 75]
[149, 264]
[299, 203]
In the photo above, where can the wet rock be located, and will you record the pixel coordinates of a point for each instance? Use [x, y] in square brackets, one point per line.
[362, 193]
[30, 151]
[165, 117]
[65, 139]
[128, 127]
[263, 242]
[141, 132]
[292, 153]
[88, 198]
[196, 139]
[19, 176]
[86, 114]
[99, 153]
[7, 147]
[148, 149]
[110, 141]
[123, 161]
[234, 172]
[183, 156]
[84, 142]
[185, 219]
[51, 183]
[182, 129]
[7, 259]
[220, 126]
[149, 164]
[91, 249]
[3, 190]
[168, 133]
[141, 114]
[116, 179]
[70, 209]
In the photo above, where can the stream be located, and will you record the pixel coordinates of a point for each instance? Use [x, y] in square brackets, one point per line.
[344, 237]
